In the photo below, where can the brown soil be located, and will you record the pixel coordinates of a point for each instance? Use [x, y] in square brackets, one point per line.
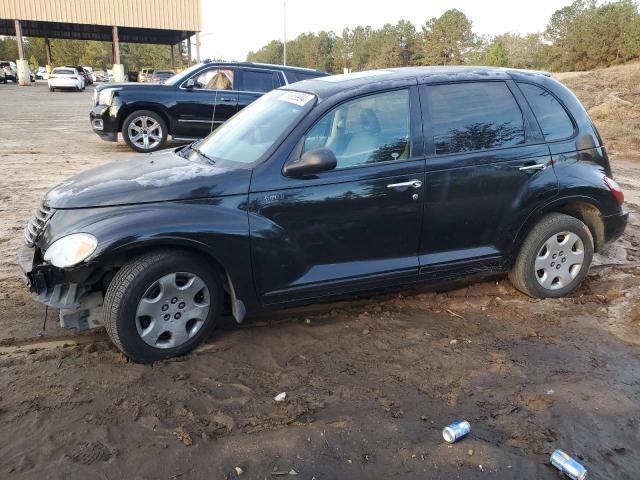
[369, 384]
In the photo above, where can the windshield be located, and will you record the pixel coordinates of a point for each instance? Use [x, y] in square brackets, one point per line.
[248, 135]
[179, 77]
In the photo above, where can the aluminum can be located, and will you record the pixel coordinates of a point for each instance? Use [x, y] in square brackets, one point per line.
[456, 431]
[567, 465]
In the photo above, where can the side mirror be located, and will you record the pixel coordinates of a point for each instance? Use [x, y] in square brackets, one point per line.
[311, 162]
[191, 84]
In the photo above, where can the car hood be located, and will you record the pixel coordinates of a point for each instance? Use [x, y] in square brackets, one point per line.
[154, 177]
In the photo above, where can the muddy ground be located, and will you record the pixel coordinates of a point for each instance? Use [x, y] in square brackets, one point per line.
[369, 384]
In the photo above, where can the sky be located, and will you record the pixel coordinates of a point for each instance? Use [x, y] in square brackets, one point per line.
[231, 30]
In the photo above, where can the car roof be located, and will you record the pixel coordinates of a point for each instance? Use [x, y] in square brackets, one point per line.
[325, 87]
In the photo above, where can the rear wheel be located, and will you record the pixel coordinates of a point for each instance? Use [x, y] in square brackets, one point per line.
[161, 305]
[51, 89]
[554, 258]
[144, 131]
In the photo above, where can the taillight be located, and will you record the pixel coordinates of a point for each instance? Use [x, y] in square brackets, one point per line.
[615, 189]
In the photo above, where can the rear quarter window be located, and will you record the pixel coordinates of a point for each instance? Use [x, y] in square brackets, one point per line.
[552, 117]
[293, 77]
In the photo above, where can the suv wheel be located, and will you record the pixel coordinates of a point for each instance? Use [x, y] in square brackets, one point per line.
[144, 131]
[161, 305]
[554, 258]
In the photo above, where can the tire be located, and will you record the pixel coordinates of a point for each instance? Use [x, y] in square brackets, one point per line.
[557, 240]
[51, 89]
[156, 128]
[125, 306]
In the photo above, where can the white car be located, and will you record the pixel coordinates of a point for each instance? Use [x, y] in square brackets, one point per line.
[66, 77]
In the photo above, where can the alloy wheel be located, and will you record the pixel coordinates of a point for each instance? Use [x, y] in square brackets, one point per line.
[172, 310]
[144, 132]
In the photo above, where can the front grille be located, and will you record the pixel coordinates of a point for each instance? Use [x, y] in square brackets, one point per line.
[36, 225]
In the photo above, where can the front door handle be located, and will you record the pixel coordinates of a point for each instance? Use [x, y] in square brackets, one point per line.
[535, 166]
[411, 183]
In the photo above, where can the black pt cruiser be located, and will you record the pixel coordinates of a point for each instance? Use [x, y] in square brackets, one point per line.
[187, 106]
[330, 188]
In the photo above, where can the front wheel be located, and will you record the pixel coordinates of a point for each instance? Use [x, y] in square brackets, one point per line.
[554, 258]
[161, 305]
[144, 131]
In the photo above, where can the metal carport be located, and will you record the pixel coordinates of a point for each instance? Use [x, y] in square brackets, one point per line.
[165, 22]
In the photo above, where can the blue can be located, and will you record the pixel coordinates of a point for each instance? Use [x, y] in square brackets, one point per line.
[456, 431]
[567, 465]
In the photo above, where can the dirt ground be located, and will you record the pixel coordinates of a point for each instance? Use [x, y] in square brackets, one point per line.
[369, 384]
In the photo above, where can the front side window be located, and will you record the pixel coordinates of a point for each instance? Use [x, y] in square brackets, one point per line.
[249, 134]
[467, 117]
[215, 79]
[552, 117]
[366, 130]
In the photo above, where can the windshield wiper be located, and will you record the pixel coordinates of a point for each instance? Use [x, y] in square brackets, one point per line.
[202, 154]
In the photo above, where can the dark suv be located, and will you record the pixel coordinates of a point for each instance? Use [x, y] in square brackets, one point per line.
[188, 106]
[330, 188]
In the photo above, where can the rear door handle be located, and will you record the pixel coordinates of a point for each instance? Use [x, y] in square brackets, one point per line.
[535, 166]
[411, 183]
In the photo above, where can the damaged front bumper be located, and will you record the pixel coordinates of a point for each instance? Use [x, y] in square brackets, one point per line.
[67, 290]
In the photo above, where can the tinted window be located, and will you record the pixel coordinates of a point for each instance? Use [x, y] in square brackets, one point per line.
[215, 79]
[258, 81]
[366, 130]
[293, 77]
[474, 116]
[552, 117]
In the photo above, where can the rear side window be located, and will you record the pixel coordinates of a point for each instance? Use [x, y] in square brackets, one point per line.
[552, 117]
[467, 117]
[259, 81]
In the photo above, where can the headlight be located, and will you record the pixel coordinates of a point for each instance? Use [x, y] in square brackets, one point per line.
[71, 250]
[105, 96]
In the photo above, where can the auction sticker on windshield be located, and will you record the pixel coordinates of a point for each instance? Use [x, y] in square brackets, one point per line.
[297, 98]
